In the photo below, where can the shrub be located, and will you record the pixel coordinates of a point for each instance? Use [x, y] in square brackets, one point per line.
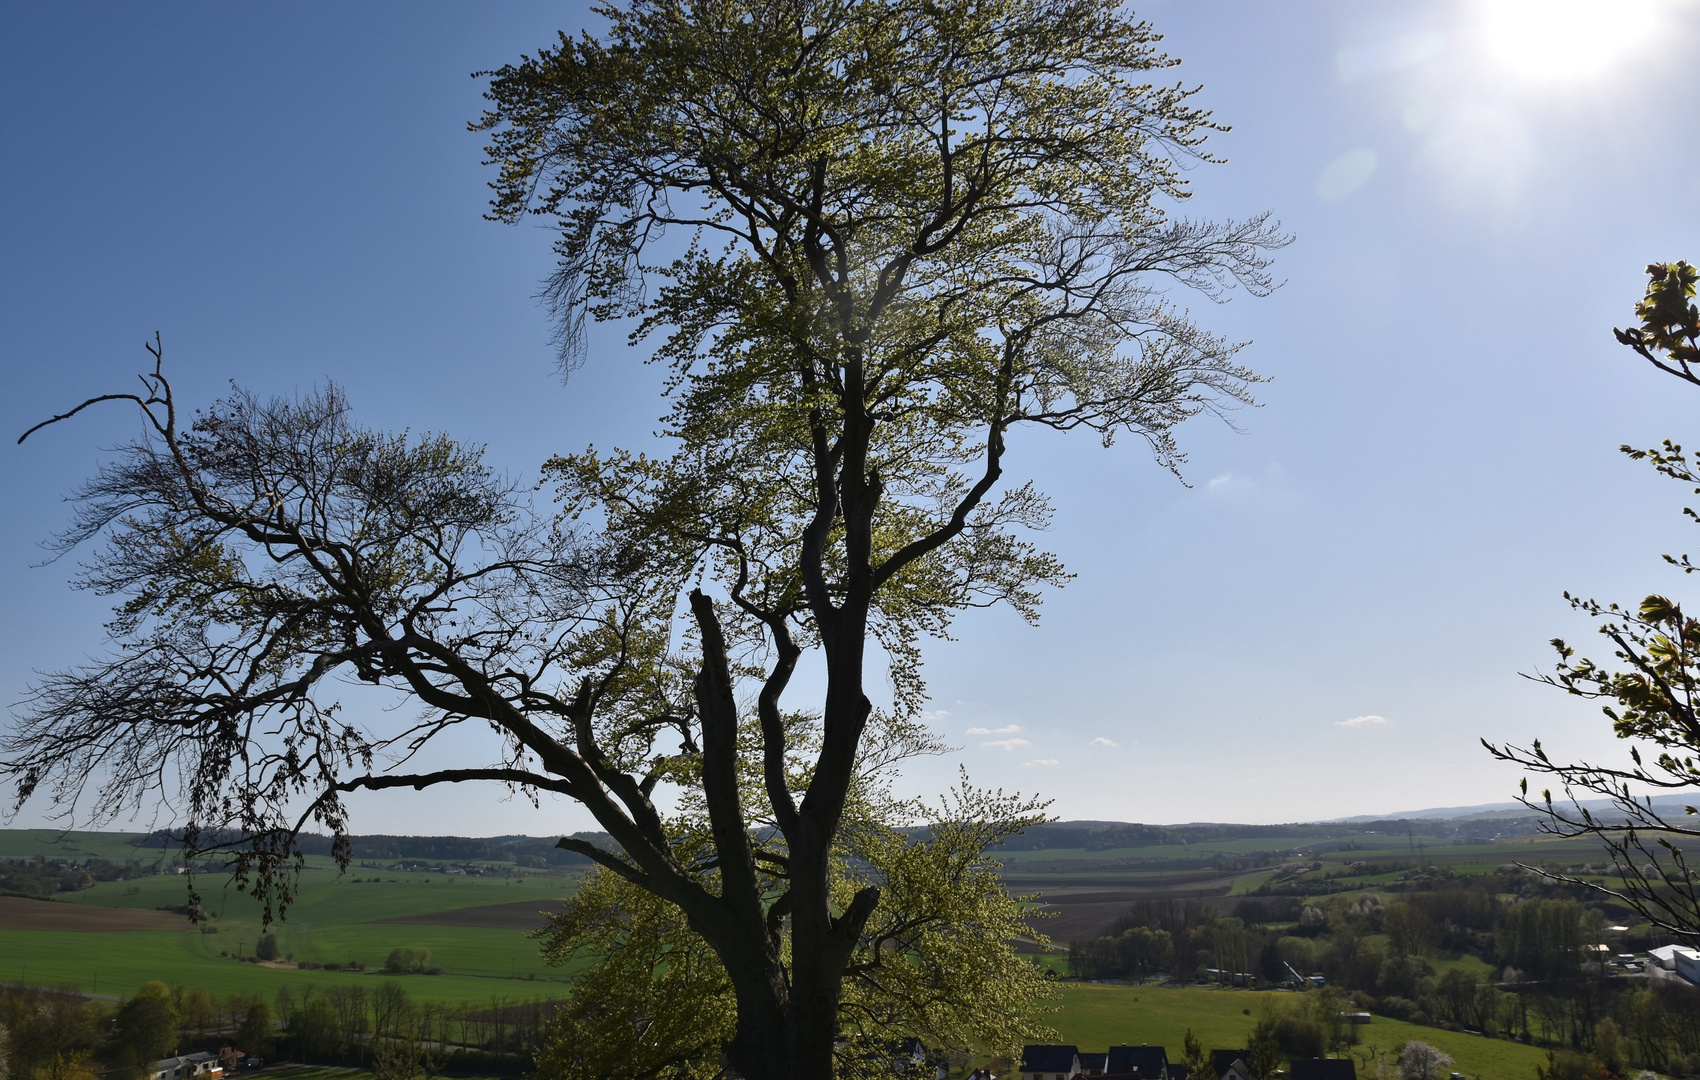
[1420, 1061]
[267, 948]
[1568, 1065]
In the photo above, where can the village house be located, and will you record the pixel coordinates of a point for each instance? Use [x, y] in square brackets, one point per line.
[1145, 1062]
[1323, 1069]
[201, 1066]
[1230, 1065]
[1049, 1061]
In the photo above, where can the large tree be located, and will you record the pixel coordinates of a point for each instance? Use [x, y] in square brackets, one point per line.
[874, 237]
[1650, 687]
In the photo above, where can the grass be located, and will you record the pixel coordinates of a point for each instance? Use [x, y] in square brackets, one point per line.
[114, 847]
[332, 919]
[1095, 1017]
[120, 963]
[337, 918]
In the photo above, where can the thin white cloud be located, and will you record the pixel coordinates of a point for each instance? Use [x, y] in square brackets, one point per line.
[1007, 744]
[936, 714]
[1007, 729]
[1043, 761]
[1361, 721]
[1101, 741]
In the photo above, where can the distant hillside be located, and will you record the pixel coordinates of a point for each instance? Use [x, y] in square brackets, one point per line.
[1105, 835]
[533, 851]
[1665, 804]
[1481, 823]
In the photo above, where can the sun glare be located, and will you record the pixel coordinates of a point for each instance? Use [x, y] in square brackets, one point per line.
[1557, 41]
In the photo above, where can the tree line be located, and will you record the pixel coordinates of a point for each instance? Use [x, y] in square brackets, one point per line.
[40, 878]
[1377, 954]
[533, 851]
[48, 1034]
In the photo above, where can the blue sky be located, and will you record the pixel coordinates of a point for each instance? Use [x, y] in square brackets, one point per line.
[288, 194]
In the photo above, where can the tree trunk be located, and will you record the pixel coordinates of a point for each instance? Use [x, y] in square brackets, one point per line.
[787, 1028]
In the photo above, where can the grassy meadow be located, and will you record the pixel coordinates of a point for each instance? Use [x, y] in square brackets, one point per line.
[1095, 1017]
[333, 919]
[476, 929]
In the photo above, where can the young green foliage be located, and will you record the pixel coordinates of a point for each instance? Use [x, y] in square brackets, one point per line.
[1650, 692]
[869, 239]
[935, 961]
[872, 238]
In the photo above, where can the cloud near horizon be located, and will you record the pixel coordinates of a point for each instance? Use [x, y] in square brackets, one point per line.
[1362, 721]
[1007, 729]
[1043, 761]
[1101, 741]
[1007, 744]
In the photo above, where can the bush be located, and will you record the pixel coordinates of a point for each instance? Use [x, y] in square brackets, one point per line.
[1568, 1065]
[1420, 1061]
[409, 960]
[267, 948]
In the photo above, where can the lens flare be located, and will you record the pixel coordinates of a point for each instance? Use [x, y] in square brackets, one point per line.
[1558, 41]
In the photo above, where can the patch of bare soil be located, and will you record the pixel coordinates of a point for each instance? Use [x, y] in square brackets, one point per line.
[518, 915]
[1084, 913]
[22, 913]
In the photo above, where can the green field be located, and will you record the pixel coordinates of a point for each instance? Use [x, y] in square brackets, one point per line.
[334, 919]
[1095, 1017]
[349, 917]
[112, 846]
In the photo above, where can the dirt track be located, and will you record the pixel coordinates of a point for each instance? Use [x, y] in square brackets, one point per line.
[518, 915]
[19, 913]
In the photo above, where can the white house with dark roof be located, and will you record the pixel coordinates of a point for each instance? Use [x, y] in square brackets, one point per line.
[201, 1066]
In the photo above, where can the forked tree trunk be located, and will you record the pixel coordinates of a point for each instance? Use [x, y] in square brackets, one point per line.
[787, 1018]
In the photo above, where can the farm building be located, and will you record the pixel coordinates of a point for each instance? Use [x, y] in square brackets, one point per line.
[1681, 959]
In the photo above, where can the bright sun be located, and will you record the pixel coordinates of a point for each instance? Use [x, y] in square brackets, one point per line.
[1555, 41]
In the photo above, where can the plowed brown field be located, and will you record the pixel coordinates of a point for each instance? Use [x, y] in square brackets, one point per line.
[21, 913]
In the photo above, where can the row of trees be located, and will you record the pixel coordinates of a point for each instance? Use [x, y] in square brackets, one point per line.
[1593, 1030]
[42, 877]
[1366, 943]
[386, 1029]
[1377, 956]
[61, 1035]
